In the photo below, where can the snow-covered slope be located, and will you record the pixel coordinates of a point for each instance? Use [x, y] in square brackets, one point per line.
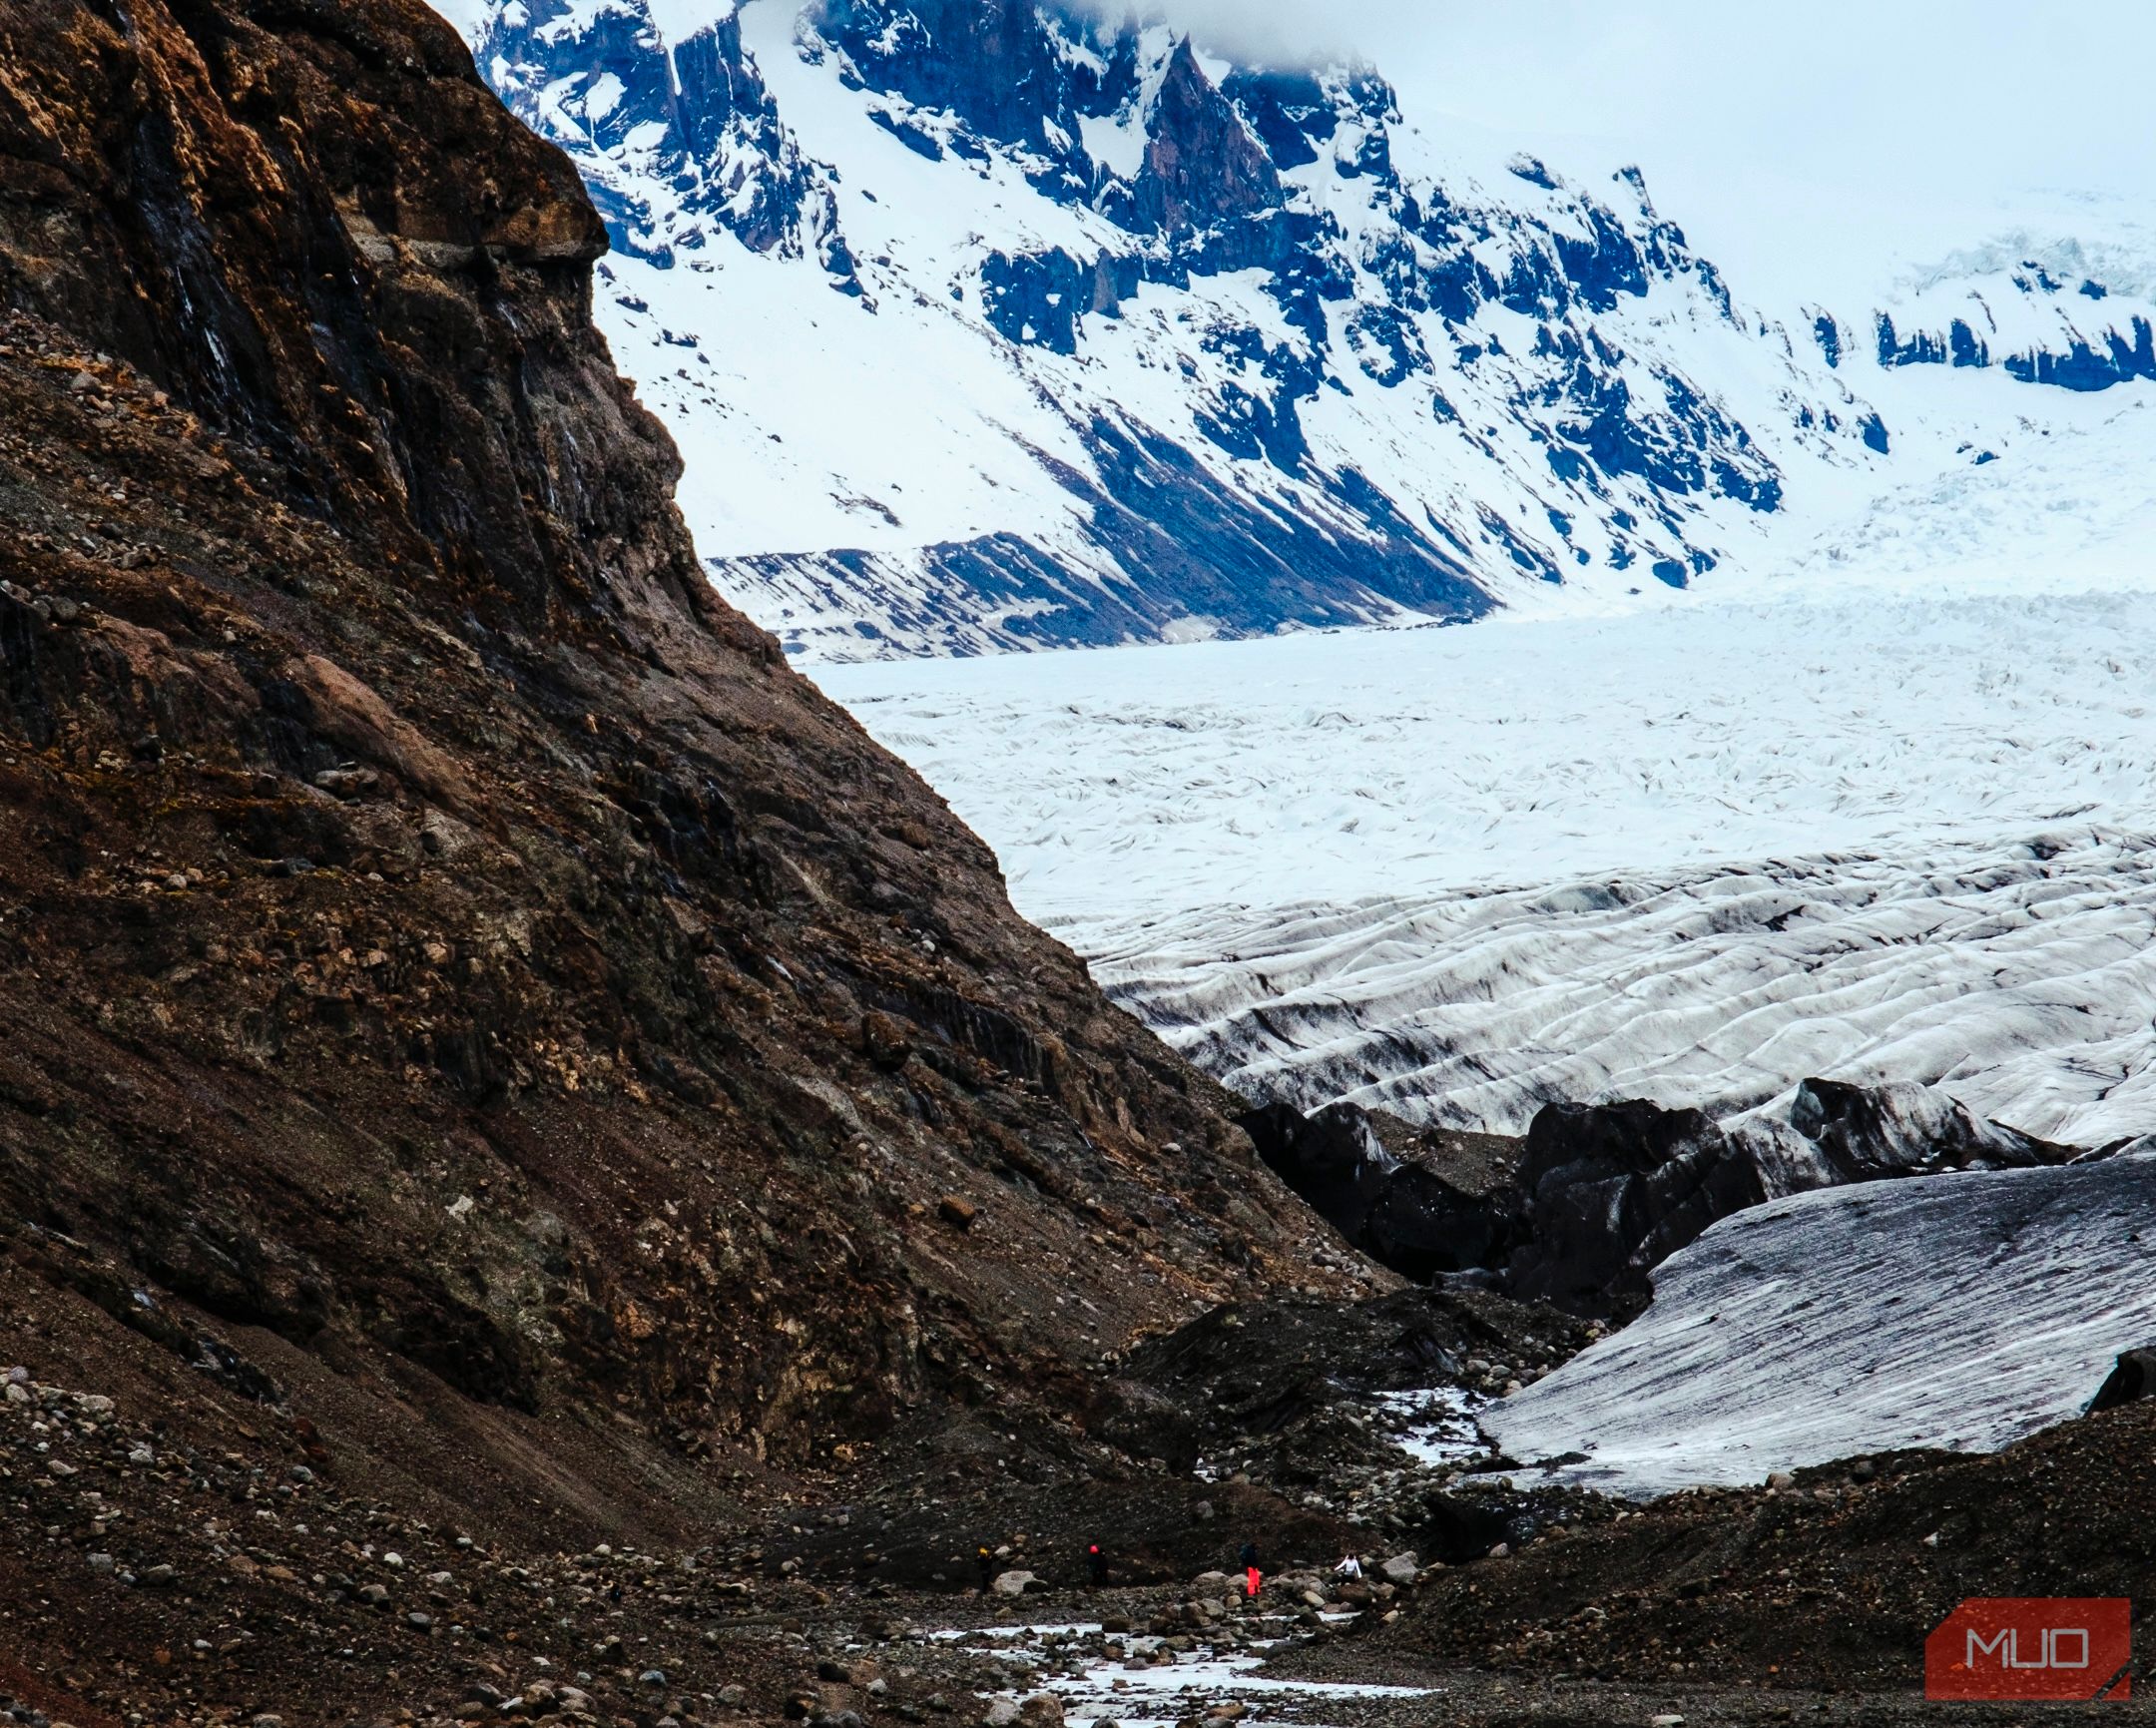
[1960, 1311]
[983, 324]
[1697, 857]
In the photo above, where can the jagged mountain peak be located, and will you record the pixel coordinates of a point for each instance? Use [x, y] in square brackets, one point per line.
[1147, 342]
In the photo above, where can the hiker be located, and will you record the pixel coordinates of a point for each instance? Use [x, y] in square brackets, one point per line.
[1349, 1568]
[1251, 1580]
[1096, 1567]
[986, 1563]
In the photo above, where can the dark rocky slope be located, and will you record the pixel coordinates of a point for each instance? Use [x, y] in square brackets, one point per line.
[457, 985]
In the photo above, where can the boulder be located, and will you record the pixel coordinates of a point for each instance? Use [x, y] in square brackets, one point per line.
[2133, 1379]
[1400, 1569]
[1870, 1133]
[1015, 1584]
[1042, 1710]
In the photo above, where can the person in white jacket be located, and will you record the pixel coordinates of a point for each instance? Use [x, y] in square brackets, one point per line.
[1350, 1569]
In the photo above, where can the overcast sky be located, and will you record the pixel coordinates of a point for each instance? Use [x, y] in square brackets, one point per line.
[1733, 105]
[2057, 86]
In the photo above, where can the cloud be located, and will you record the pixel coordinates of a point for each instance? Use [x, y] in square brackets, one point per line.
[1986, 91]
[1255, 31]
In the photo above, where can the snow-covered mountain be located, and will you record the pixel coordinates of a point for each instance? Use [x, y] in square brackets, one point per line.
[987, 324]
[1006, 323]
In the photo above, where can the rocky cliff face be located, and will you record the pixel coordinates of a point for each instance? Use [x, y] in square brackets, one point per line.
[456, 984]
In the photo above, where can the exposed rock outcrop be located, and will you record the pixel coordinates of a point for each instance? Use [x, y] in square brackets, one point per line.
[1602, 1193]
[1400, 1212]
[1202, 166]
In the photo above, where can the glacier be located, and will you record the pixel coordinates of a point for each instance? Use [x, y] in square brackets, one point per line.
[1965, 1312]
[1694, 855]
[1789, 715]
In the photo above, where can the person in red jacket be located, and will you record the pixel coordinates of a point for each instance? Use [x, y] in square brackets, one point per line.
[1251, 1580]
[1096, 1567]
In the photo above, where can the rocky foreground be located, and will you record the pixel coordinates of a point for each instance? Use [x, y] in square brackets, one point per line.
[218, 1564]
[539, 1174]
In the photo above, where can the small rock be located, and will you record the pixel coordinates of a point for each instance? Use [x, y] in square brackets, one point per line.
[1002, 1713]
[419, 1622]
[374, 1595]
[101, 1564]
[957, 1213]
[652, 1677]
[733, 1697]
[158, 1577]
[1042, 1710]
[1665, 1722]
[1780, 1480]
[1502, 1551]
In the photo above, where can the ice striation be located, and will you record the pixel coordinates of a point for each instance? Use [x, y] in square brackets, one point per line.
[1963, 1311]
[1696, 857]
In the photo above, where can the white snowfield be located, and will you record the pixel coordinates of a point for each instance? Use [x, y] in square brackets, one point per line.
[1697, 856]
[1964, 1312]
